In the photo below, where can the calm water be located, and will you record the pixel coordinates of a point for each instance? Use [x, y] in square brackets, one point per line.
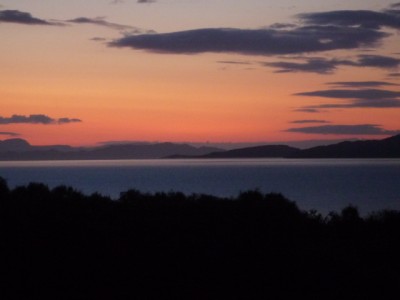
[322, 184]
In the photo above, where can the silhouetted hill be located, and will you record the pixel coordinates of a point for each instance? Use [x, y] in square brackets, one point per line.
[14, 145]
[386, 148]
[18, 149]
[158, 150]
[256, 152]
[21, 145]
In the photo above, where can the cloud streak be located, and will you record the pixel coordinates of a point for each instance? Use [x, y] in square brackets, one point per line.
[309, 121]
[36, 119]
[20, 17]
[362, 18]
[138, 1]
[362, 84]
[9, 133]
[328, 66]
[359, 96]
[100, 21]
[368, 94]
[362, 129]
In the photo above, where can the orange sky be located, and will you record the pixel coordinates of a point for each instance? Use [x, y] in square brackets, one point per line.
[127, 94]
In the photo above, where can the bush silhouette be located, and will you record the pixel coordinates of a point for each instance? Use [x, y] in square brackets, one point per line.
[61, 243]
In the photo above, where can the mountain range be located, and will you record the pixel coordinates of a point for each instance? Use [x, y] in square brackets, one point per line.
[19, 149]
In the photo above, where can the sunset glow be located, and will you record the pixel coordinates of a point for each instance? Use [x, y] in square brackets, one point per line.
[203, 71]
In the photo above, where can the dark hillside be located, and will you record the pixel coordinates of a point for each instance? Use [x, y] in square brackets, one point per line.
[256, 152]
[386, 148]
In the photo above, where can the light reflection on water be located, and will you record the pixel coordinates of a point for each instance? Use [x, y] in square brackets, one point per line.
[323, 184]
[199, 162]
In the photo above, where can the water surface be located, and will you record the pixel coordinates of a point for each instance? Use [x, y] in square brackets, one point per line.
[322, 184]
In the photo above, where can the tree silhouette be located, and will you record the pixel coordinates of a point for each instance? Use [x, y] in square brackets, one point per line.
[61, 243]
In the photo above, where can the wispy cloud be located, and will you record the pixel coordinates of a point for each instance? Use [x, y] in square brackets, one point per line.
[362, 129]
[67, 120]
[362, 84]
[20, 17]
[234, 62]
[312, 65]
[361, 95]
[328, 66]
[358, 103]
[9, 133]
[354, 98]
[101, 21]
[363, 18]
[352, 94]
[308, 109]
[309, 121]
[138, 1]
[36, 119]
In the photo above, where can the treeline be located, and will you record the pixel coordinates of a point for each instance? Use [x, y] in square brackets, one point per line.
[64, 244]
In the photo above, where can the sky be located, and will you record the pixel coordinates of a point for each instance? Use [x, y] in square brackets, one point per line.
[85, 72]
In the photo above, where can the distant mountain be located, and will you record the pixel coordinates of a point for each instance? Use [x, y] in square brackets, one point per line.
[14, 145]
[144, 151]
[256, 152]
[20, 145]
[386, 148]
[18, 149]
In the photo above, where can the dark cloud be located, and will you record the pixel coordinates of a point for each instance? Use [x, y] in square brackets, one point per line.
[312, 65]
[349, 18]
[360, 103]
[394, 75]
[282, 25]
[16, 16]
[267, 41]
[35, 119]
[327, 66]
[363, 129]
[68, 120]
[361, 84]
[320, 31]
[353, 94]
[9, 133]
[377, 61]
[355, 98]
[309, 121]
[395, 5]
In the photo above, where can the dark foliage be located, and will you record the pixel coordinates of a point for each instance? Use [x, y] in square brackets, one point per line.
[62, 244]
